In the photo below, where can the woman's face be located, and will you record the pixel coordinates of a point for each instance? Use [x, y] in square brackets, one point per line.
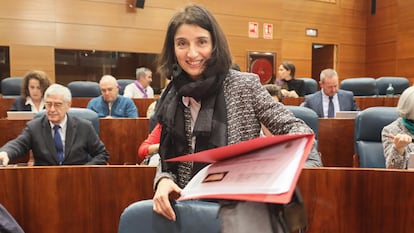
[193, 47]
[284, 73]
[35, 91]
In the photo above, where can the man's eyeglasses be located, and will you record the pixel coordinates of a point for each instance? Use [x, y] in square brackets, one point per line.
[54, 104]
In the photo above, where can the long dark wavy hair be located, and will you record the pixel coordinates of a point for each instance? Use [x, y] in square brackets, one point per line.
[220, 60]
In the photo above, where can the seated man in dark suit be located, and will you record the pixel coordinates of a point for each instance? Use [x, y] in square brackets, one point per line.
[330, 99]
[57, 138]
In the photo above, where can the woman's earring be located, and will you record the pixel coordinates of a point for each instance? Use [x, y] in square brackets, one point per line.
[176, 71]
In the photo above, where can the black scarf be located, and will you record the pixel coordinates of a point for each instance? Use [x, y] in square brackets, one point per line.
[211, 125]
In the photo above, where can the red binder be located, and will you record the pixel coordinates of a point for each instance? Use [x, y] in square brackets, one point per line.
[264, 169]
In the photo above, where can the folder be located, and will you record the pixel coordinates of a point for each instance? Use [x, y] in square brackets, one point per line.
[264, 169]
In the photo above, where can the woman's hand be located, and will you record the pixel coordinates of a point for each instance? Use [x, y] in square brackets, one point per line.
[161, 198]
[286, 93]
[400, 142]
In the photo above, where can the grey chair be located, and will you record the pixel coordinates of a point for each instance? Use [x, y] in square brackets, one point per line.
[311, 85]
[122, 83]
[368, 127]
[363, 86]
[11, 86]
[398, 83]
[83, 113]
[84, 89]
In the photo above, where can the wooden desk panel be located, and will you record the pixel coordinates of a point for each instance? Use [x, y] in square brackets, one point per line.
[73, 198]
[336, 141]
[92, 198]
[5, 105]
[121, 136]
[358, 200]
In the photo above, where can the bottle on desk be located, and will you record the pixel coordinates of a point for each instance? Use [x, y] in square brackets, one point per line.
[390, 90]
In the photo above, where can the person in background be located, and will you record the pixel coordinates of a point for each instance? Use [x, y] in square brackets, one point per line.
[140, 88]
[341, 100]
[207, 104]
[397, 137]
[110, 103]
[291, 87]
[57, 138]
[149, 147]
[33, 87]
[275, 91]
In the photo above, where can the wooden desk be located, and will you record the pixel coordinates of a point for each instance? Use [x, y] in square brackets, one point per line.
[73, 198]
[92, 198]
[141, 103]
[121, 136]
[336, 141]
[358, 200]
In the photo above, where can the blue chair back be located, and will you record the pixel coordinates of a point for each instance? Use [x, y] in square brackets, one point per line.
[122, 83]
[83, 113]
[11, 86]
[368, 127]
[84, 89]
[311, 85]
[363, 86]
[398, 83]
[307, 115]
[192, 216]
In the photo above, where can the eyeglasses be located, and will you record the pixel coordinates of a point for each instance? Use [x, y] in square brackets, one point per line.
[54, 104]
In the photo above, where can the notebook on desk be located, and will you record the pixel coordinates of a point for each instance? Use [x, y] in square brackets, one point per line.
[20, 115]
[346, 114]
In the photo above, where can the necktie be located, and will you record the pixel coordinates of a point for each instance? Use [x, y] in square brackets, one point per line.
[58, 144]
[331, 109]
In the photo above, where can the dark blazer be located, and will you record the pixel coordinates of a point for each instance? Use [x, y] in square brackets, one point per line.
[345, 98]
[82, 143]
[19, 105]
[296, 85]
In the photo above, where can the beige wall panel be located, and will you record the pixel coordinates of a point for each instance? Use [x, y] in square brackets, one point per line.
[405, 69]
[355, 5]
[350, 70]
[113, 15]
[381, 68]
[108, 38]
[24, 58]
[405, 47]
[382, 52]
[27, 32]
[38, 10]
[351, 53]
[263, 9]
[296, 49]
[386, 33]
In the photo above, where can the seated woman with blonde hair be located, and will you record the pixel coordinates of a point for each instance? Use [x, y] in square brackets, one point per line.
[397, 137]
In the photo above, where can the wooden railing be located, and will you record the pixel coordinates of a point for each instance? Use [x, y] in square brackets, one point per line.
[92, 198]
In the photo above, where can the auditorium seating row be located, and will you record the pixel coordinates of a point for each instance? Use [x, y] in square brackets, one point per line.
[92, 198]
[367, 86]
[363, 86]
[342, 142]
[141, 104]
[10, 87]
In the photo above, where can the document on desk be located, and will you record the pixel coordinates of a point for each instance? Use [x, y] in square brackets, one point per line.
[264, 169]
